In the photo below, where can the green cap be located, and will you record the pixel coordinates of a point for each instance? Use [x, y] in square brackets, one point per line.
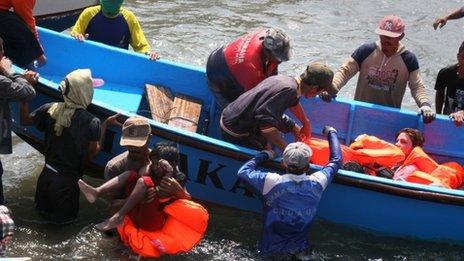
[319, 74]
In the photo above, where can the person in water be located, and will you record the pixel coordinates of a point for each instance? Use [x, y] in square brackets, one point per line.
[290, 200]
[385, 68]
[450, 86]
[111, 24]
[18, 30]
[72, 137]
[13, 87]
[162, 174]
[242, 64]
[441, 21]
[256, 118]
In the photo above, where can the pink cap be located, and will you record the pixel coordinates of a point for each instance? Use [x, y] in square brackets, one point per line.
[97, 82]
[391, 26]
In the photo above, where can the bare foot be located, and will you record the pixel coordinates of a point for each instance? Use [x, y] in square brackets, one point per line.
[110, 223]
[89, 192]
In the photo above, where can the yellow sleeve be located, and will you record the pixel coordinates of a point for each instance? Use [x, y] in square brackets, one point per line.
[84, 19]
[138, 41]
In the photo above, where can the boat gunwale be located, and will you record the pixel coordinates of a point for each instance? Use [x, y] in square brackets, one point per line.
[212, 145]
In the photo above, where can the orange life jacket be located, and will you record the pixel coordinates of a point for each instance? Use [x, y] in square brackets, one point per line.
[365, 150]
[185, 226]
[448, 175]
[372, 150]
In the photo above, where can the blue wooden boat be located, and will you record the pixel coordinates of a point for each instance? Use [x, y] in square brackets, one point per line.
[366, 202]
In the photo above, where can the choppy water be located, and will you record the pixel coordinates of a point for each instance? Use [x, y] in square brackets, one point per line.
[187, 31]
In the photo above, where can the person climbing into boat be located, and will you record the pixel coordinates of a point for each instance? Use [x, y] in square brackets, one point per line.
[18, 30]
[457, 118]
[111, 24]
[72, 137]
[417, 166]
[242, 64]
[385, 68]
[455, 14]
[290, 200]
[138, 219]
[256, 118]
[449, 86]
[13, 87]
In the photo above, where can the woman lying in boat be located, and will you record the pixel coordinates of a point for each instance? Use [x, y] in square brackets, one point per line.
[405, 160]
[152, 228]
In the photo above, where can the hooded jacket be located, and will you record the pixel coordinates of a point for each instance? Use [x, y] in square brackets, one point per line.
[382, 80]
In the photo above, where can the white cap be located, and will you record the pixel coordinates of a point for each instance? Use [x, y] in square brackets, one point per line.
[297, 155]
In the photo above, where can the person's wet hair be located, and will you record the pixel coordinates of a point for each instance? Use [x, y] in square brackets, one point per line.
[461, 48]
[166, 150]
[415, 135]
[1, 44]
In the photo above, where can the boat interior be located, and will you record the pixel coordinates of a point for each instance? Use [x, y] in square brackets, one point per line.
[125, 90]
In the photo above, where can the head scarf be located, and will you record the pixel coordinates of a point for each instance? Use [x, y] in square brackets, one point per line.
[77, 93]
[110, 8]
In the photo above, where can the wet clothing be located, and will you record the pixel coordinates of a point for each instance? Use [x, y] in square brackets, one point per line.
[289, 201]
[18, 31]
[382, 80]
[239, 66]
[448, 80]
[57, 196]
[14, 88]
[119, 31]
[64, 158]
[148, 216]
[261, 109]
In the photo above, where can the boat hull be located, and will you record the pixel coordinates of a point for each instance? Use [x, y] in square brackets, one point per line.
[361, 201]
[59, 15]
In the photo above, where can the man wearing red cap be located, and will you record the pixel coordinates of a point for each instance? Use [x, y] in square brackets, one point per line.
[385, 68]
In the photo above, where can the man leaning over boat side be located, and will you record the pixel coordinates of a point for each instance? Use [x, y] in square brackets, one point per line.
[240, 65]
[72, 137]
[256, 118]
[290, 200]
[385, 68]
[13, 87]
[18, 30]
[111, 24]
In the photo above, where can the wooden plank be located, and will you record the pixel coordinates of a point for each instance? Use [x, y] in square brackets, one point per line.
[160, 100]
[185, 113]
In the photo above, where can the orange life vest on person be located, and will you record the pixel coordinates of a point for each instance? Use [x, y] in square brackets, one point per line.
[365, 150]
[185, 226]
[448, 175]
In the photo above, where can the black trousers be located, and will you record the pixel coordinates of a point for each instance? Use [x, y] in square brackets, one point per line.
[57, 197]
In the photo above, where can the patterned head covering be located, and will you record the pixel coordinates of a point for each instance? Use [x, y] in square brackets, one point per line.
[77, 90]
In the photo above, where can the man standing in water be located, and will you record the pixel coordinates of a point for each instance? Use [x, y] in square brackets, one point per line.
[13, 87]
[385, 68]
[290, 201]
[72, 137]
